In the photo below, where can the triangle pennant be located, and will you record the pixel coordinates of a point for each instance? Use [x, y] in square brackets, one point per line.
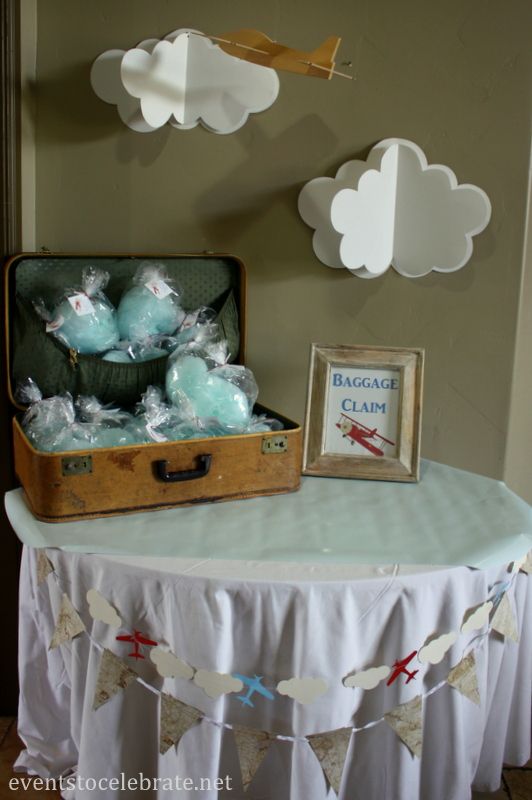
[68, 624]
[331, 749]
[44, 567]
[113, 676]
[463, 678]
[252, 747]
[503, 620]
[526, 566]
[407, 722]
[176, 719]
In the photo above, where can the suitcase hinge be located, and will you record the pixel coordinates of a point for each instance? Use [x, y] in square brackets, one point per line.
[76, 465]
[275, 444]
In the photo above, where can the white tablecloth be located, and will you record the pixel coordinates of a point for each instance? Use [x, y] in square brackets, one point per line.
[305, 626]
[449, 517]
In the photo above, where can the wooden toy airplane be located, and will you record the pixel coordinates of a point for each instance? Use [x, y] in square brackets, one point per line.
[251, 45]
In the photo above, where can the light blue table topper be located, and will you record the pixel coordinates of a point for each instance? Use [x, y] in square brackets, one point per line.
[450, 517]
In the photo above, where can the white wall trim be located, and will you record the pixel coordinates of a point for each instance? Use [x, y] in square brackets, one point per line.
[518, 456]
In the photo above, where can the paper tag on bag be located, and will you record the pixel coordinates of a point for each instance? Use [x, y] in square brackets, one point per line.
[55, 324]
[81, 304]
[159, 288]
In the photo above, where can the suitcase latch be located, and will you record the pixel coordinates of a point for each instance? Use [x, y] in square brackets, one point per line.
[275, 444]
[76, 465]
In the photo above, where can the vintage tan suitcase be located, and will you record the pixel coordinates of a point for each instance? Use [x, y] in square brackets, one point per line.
[99, 482]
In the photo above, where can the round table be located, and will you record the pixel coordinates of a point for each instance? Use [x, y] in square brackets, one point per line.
[324, 610]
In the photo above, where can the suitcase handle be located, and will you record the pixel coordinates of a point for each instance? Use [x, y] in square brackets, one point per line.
[161, 468]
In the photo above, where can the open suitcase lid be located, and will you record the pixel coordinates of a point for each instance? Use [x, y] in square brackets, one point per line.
[217, 280]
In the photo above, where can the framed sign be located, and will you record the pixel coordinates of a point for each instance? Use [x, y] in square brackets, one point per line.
[363, 412]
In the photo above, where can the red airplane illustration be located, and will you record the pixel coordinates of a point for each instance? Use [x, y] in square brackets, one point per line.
[137, 639]
[359, 433]
[399, 668]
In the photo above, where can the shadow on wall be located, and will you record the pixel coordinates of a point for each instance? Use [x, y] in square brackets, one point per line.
[258, 197]
[66, 96]
[270, 175]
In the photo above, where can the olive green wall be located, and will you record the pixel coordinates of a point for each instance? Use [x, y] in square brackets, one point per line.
[453, 77]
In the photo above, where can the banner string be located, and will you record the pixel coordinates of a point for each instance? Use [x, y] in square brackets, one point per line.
[477, 641]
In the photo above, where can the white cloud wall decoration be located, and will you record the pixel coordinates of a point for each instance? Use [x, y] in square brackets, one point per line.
[395, 210]
[184, 79]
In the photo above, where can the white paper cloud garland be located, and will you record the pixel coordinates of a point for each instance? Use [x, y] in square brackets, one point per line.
[100, 609]
[215, 684]
[185, 80]
[368, 679]
[433, 651]
[330, 747]
[394, 210]
[303, 690]
[476, 618]
[169, 665]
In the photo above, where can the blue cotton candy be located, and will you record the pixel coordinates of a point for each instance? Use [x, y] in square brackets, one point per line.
[118, 356]
[124, 356]
[112, 437]
[68, 440]
[201, 393]
[147, 354]
[102, 425]
[183, 430]
[141, 314]
[46, 421]
[89, 437]
[88, 333]
[154, 418]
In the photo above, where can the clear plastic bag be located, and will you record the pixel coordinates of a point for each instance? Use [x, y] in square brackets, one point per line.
[198, 326]
[84, 320]
[48, 422]
[199, 390]
[261, 424]
[103, 425]
[151, 306]
[144, 350]
[154, 419]
[56, 424]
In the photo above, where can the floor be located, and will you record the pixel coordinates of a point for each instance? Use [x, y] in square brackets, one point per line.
[9, 749]
[516, 781]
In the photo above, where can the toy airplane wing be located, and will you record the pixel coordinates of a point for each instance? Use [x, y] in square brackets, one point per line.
[264, 692]
[405, 661]
[252, 45]
[254, 684]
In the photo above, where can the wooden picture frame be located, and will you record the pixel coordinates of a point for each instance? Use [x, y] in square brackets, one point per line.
[363, 414]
